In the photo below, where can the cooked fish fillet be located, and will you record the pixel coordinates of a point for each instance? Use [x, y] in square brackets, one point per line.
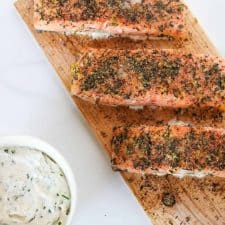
[177, 150]
[103, 18]
[150, 77]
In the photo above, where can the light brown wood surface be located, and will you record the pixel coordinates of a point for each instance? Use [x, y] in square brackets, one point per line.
[198, 201]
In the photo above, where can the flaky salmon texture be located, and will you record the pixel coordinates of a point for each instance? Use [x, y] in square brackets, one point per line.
[150, 77]
[178, 150]
[136, 19]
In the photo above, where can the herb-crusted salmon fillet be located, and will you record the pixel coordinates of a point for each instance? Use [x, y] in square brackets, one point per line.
[178, 150]
[149, 77]
[104, 18]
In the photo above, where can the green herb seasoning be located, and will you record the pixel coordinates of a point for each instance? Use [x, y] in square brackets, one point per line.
[168, 199]
[178, 150]
[126, 11]
[151, 77]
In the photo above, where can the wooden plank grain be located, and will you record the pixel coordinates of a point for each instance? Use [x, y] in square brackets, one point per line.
[198, 201]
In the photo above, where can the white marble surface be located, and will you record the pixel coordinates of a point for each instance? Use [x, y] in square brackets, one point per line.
[34, 102]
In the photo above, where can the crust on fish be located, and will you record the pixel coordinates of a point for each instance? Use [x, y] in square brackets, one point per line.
[178, 150]
[167, 78]
[103, 18]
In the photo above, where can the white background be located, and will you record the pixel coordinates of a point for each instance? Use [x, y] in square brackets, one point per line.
[34, 102]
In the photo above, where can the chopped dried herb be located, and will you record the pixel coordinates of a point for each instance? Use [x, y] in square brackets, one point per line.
[151, 69]
[220, 82]
[141, 163]
[143, 142]
[124, 10]
[213, 70]
[130, 149]
[168, 199]
[165, 148]
[90, 8]
[101, 74]
[118, 140]
[62, 2]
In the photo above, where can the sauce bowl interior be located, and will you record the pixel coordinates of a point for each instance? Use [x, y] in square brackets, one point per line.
[38, 144]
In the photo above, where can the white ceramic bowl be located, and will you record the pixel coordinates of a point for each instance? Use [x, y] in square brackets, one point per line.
[36, 143]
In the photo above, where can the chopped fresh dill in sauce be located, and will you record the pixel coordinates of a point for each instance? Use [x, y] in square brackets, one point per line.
[33, 188]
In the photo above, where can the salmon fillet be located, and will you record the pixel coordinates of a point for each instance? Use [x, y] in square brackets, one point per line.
[177, 150]
[137, 19]
[150, 77]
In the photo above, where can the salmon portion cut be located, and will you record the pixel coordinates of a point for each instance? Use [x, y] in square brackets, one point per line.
[136, 19]
[178, 150]
[150, 77]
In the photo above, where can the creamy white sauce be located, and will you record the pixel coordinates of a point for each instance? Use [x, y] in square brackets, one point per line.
[94, 34]
[136, 107]
[178, 123]
[182, 173]
[136, 37]
[136, 1]
[100, 34]
[33, 188]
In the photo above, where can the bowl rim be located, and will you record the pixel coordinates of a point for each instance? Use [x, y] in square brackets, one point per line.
[52, 152]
